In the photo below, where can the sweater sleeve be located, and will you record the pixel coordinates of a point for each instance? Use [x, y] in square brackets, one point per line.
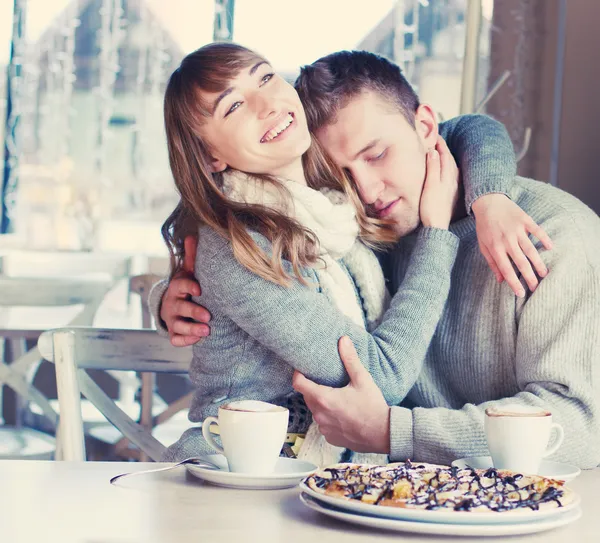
[484, 153]
[302, 327]
[556, 367]
[154, 302]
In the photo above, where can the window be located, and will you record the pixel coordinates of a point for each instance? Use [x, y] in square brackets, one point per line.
[92, 169]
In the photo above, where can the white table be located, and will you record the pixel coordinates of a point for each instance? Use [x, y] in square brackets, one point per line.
[74, 502]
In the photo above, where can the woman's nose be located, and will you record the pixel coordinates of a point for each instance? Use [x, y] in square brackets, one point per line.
[265, 106]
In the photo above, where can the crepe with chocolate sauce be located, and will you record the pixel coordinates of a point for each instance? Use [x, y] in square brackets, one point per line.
[433, 487]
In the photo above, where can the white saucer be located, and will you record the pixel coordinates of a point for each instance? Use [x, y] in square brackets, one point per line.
[288, 472]
[553, 470]
[439, 528]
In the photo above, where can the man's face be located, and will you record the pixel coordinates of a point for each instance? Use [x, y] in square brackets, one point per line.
[384, 155]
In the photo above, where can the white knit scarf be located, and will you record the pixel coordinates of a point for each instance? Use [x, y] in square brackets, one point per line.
[332, 219]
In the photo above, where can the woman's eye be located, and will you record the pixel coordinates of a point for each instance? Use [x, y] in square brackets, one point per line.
[267, 78]
[233, 107]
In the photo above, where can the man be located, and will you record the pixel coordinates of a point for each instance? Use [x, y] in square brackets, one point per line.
[490, 348]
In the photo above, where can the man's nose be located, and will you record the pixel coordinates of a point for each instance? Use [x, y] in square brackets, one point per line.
[369, 187]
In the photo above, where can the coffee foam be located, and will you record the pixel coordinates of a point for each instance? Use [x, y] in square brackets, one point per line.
[514, 410]
[253, 406]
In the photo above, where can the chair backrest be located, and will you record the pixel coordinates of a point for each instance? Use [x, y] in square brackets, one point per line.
[39, 293]
[74, 349]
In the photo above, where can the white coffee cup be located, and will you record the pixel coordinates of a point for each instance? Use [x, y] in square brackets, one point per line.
[252, 433]
[518, 436]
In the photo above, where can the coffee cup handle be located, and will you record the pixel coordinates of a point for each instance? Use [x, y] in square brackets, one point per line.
[208, 436]
[558, 441]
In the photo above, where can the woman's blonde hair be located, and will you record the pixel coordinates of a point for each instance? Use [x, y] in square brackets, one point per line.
[210, 69]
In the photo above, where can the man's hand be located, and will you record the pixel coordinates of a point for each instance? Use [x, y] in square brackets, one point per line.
[356, 416]
[503, 230]
[185, 320]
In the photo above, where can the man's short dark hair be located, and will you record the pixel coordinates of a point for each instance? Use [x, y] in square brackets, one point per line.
[328, 84]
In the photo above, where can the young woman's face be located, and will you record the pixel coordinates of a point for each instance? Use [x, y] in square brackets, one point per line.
[257, 124]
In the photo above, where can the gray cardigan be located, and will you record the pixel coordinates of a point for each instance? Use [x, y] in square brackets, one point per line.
[257, 340]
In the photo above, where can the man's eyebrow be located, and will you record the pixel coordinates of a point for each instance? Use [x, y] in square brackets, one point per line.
[230, 89]
[367, 147]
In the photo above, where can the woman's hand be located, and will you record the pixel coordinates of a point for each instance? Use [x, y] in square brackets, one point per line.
[440, 192]
[503, 230]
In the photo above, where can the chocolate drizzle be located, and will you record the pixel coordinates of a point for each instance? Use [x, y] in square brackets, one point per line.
[431, 488]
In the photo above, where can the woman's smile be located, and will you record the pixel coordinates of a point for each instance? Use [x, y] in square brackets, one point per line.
[280, 129]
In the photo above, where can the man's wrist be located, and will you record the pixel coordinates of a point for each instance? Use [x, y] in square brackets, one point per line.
[381, 437]
[401, 434]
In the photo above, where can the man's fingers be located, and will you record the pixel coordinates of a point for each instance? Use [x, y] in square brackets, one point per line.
[537, 231]
[183, 287]
[309, 389]
[533, 255]
[184, 341]
[190, 310]
[356, 371]
[185, 328]
[190, 246]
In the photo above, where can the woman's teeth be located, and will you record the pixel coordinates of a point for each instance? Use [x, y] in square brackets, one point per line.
[274, 132]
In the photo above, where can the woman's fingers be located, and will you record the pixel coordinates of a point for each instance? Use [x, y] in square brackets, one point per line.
[523, 265]
[533, 255]
[491, 263]
[508, 272]
[536, 230]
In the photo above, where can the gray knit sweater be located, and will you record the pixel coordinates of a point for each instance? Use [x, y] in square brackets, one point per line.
[491, 347]
[258, 339]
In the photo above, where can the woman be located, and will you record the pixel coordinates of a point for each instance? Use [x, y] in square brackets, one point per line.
[282, 245]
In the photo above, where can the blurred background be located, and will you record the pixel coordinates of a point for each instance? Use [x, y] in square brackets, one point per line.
[85, 179]
[84, 163]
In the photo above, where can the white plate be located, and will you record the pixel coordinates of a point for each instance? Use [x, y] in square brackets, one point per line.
[440, 515]
[443, 529]
[288, 472]
[553, 470]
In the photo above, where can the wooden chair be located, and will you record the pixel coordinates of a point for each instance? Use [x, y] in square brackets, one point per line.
[34, 292]
[77, 349]
[161, 423]
[74, 265]
[113, 267]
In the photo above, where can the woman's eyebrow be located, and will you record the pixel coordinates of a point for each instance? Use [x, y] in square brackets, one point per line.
[220, 97]
[228, 91]
[256, 66]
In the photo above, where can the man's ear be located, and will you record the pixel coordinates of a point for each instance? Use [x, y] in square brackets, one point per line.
[217, 165]
[426, 126]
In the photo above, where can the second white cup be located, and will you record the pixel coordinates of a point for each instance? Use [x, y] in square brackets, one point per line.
[252, 433]
[518, 437]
